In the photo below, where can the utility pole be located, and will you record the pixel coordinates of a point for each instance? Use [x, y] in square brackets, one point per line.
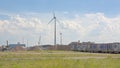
[60, 38]
[23, 40]
[27, 43]
[39, 42]
[7, 43]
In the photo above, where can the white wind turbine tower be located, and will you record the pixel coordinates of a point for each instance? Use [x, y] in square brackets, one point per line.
[54, 19]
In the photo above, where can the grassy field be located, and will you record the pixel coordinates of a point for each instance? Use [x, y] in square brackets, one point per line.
[58, 59]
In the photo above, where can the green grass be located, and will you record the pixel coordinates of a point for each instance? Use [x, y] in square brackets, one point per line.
[57, 59]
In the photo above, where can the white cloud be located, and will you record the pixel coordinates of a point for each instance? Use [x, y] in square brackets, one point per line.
[87, 27]
[96, 27]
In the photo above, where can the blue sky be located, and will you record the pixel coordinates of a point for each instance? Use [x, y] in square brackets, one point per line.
[109, 7]
[85, 20]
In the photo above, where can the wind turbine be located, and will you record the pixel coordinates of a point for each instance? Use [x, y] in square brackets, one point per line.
[54, 19]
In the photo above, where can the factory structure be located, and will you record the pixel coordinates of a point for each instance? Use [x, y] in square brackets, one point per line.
[91, 47]
[13, 47]
[22, 47]
[96, 47]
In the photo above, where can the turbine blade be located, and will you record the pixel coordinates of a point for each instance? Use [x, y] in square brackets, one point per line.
[59, 23]
[53, 14]
[50, 20]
